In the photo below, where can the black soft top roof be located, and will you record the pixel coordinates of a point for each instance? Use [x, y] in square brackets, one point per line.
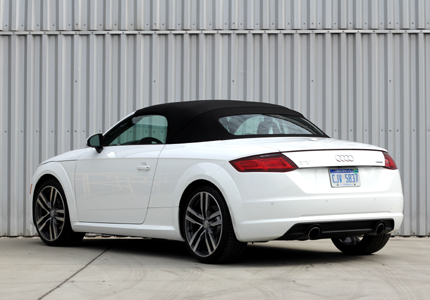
[197, 121]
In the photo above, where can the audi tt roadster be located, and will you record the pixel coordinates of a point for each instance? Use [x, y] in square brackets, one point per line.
[217, 175]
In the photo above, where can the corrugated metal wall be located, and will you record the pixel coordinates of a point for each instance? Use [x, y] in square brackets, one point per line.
[360, 69]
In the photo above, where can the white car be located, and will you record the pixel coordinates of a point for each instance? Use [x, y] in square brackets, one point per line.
[217, 175]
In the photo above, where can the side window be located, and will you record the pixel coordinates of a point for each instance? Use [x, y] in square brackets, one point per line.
[139, 130]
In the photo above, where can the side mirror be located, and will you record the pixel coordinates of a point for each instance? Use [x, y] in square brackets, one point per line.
[96, 141]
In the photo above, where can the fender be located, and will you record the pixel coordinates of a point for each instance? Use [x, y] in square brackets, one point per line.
[228, 188]
[62, 171]
[212, 172]
[173, 186]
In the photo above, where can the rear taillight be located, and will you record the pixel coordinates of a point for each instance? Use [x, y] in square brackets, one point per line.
[264, 163]
[389, 162]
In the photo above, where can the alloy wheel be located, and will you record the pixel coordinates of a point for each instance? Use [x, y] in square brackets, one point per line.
[203, 224]
[49, 213]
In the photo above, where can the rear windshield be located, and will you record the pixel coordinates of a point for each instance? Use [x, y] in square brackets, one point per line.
[270, 124]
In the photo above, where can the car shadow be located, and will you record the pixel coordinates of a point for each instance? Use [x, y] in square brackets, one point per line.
[264, 254]
[289, 255]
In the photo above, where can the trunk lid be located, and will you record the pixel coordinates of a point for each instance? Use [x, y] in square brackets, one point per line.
[327, 152]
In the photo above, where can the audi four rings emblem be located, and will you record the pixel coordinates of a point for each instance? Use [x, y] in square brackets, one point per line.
[344, 158]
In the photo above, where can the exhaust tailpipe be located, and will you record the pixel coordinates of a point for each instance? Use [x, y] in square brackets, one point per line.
[314, 232]
[379, 228]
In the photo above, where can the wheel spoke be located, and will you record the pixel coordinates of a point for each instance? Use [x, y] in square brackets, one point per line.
[50, 231]
[213, 243]
[206, 204]
[41, 219]
[60, 215]
[42, 205]
[215, 214]
[51, 196]
[47, 204]
[198, 242]
[202, 206]
[55, 198]
[192, 211]
[216, 223]
[195, 235]
[43, 225]
[61, 219]
[208, 246]
[189, 219]
[54, 229]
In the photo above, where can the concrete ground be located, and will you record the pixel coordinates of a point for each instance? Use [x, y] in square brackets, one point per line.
[125, 268]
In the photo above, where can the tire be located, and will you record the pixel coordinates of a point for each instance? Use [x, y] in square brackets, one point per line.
[355, 245]
[207, 227]
[51, 216]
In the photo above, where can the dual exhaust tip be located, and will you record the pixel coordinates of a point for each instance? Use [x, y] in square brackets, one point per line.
[314, 231]
[379, 228]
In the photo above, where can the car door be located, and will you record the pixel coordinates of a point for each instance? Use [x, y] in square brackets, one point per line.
[114, 186]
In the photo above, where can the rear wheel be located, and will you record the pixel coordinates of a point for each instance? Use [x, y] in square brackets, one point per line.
[361, 245]
[51, 216]
[207, 227]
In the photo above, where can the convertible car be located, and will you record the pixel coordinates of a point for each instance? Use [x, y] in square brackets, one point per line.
[217, 175]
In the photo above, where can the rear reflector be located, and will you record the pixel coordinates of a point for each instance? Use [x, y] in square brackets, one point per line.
[389, 162]
[264, 163]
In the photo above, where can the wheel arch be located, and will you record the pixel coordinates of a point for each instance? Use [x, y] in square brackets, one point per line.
[42, 180]
[225, 185]
[187, 193]
[60, 172]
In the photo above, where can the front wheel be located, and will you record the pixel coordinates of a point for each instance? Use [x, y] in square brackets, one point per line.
[51, 216]
[361, 245]
[207, 227]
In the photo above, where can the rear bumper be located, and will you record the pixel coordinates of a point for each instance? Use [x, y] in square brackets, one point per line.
[267, 207]
[331, 226]
[338, 229]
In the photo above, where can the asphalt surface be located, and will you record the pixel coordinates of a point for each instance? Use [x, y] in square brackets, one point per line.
[126, 268]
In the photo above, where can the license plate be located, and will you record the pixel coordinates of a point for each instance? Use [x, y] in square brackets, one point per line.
[344, 178]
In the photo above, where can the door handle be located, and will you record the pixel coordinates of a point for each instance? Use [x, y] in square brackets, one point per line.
[143, 168]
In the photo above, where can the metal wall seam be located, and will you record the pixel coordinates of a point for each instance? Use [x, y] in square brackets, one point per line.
[390, 62]
[30, 137]
[3, 15]
[107, 15]
[223, 32]
[427, 15]
[124, 22]
[15, 140]
[421, 133]
[420, 18]
[350, 83]
[4, 127]
[218, 65]
[139, 69]
[218, 15]
[92, 87]
[426, 164]
[407, 155]
[280, 69]
[358, 93]
[249, 66]
[107, 81]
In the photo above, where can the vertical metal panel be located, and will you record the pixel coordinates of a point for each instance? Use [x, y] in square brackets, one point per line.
[359, 69]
